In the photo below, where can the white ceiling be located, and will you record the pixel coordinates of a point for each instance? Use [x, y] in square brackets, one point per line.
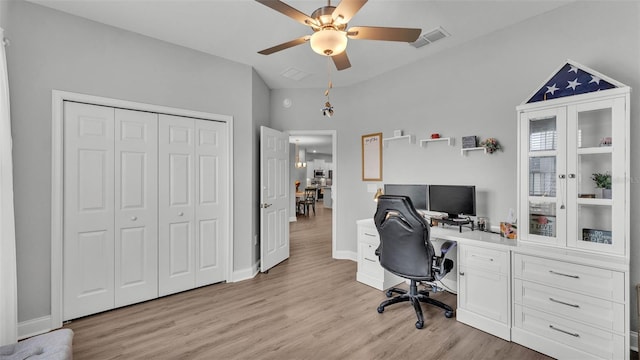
[238, 29]
[321, 144]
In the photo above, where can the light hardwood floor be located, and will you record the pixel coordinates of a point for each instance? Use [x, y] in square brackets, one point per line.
[308, 307]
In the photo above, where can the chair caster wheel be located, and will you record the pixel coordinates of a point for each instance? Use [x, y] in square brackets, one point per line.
[448, 314]
[419, 324]
[380, 309]
[389, 293]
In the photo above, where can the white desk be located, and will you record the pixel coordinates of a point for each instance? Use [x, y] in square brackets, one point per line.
[563, 303]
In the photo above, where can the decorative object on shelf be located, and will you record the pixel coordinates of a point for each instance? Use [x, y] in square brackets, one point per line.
[491, 144]
[435, 136]
[603, 181]
[606, 141]
[372, 157]
[469, 142]
[597, 236]
[379, 193]
[572, 79]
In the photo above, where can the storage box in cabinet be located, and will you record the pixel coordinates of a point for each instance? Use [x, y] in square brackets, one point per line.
[593, 281]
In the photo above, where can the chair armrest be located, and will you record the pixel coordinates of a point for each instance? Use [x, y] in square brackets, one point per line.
[446, 247]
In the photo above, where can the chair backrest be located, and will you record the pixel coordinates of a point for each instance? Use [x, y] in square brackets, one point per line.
[405, 248]
[309, 193]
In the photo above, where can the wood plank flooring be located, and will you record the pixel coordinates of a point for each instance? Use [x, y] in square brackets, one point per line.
[308, 307]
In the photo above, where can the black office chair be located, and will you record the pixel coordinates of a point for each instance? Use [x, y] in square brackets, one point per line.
[405, 250]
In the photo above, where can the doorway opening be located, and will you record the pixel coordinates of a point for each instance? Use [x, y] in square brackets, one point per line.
[317, 149]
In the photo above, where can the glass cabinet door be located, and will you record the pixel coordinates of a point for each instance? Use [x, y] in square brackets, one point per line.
[595, 172]
[542, 176]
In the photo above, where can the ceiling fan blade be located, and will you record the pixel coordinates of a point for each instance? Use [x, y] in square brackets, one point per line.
[383, 33]
[285, 45]
[346, 9]
[341, 60]
[291, 12]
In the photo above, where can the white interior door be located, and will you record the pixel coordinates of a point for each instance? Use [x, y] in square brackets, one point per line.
[211, 202]
[176, 211]
[88, 246]
[274, 197]
[136, 206]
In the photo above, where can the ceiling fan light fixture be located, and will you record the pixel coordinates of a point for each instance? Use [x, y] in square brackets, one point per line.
[329, 41]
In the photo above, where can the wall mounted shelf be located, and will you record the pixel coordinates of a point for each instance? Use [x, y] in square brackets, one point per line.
[449, 140]
[463, 151]
[402, 137]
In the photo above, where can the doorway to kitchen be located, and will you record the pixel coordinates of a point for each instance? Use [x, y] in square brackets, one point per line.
[314, 168]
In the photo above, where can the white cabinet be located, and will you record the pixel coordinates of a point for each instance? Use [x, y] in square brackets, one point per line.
[562, 147]
[484, 289]
[573, 301]
[369, 270]
[569, 309]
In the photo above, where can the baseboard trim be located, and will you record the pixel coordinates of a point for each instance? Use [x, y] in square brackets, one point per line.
[246, 274]
[34, 327]
[345, 255]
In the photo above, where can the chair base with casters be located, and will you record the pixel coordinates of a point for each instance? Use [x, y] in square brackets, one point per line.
[415, 297]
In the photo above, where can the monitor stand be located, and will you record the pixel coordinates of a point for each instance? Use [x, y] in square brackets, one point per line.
[459, 222]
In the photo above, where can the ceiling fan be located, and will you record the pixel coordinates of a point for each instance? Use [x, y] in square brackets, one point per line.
[330, 33]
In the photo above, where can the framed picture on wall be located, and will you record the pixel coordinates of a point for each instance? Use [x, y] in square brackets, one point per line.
[372, 157]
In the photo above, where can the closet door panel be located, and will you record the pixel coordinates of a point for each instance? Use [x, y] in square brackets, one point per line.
[211, 206]
[136, 221]
[88, 251]
[176, 197]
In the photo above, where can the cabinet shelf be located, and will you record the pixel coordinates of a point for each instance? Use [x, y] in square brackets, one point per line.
[589, 201]
[463, 151]
[423, 142]
[596, 150]
[402, 137]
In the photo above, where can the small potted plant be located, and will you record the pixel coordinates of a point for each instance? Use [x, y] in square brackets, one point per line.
[603, 181]
[491, 144]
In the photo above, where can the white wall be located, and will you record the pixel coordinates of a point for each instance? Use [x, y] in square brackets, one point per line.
[471, 90]
[53, 50]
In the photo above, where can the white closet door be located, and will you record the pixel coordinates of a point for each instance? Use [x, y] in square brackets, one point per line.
[88, 273]
[176, 216]
[211, 202]
[136, 206]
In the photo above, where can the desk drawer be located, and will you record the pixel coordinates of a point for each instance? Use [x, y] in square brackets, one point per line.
[579, 307]
[493, 260]
[368, 235]
[598, 282]
[599, 343]
[368, 261]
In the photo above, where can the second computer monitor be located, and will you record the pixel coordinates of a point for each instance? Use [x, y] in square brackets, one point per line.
[454, 200]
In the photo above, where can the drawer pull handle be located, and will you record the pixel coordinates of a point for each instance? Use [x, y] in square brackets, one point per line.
[564, 303]
[567, 275]
[564, 331]
[482, 257]
[373, 261]
[370, 234]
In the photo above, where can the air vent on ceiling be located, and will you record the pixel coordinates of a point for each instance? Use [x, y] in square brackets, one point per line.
[429, 37]
[294, 74]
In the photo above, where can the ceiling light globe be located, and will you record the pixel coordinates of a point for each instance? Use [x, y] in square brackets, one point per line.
[329, 42]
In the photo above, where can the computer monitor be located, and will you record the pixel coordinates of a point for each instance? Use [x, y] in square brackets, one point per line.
[455, 200]
[417, 193]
